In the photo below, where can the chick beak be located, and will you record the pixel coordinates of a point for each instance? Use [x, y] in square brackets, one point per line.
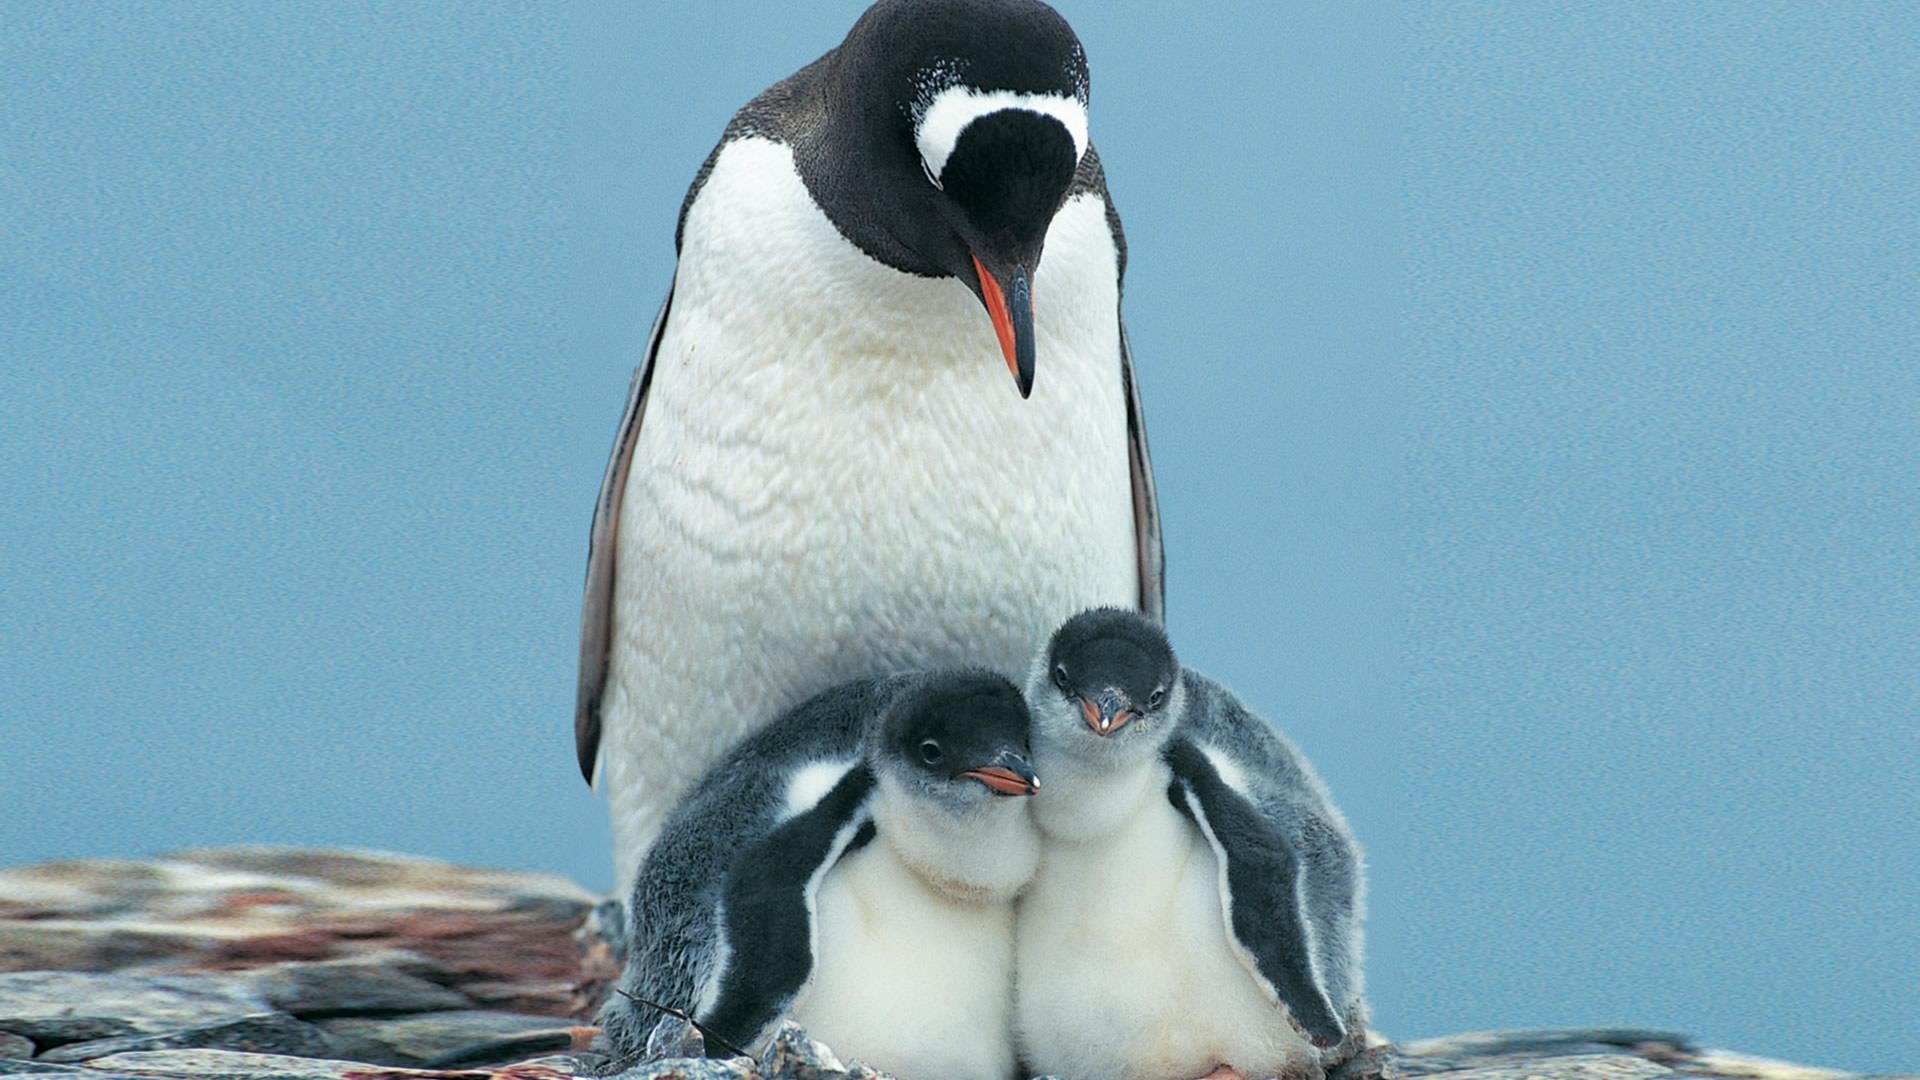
[1007, 774]
[1108, 714]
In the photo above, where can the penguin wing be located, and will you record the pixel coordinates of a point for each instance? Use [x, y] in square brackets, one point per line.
[1090, 177]
[1152, 555]
[767, 911]
[596, 609]
[1262, 890]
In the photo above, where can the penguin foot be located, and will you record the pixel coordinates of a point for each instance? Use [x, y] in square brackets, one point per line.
[1224, 1072]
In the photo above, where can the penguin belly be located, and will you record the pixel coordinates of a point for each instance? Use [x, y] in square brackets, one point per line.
[908, 979]
[1126, 970]
[836, 479]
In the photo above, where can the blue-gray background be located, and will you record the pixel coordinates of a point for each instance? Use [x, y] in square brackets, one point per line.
[1534, 394]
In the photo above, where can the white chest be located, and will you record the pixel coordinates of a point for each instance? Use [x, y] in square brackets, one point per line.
[836, 478]
[908, 979]
[1126, 969]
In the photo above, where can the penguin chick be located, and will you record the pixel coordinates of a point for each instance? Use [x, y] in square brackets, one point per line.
[852, 866]
[1197, 908]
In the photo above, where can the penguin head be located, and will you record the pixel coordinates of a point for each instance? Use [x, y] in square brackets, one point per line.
[1107, 687]
[957, 741]
[969, 118]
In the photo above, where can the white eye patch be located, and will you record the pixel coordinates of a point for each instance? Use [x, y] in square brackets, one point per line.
[957, 106]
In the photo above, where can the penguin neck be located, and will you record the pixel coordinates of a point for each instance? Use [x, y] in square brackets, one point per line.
[986, 856]
[1082, 800]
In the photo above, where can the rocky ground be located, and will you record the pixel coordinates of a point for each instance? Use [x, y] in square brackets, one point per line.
[344, 966]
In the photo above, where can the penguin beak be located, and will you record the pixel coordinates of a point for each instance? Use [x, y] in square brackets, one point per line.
[1011, 309]
[1109, 714]
[1007, 774]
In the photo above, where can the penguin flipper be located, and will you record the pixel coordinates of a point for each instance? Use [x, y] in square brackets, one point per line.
[767, 911]
[596, 608]
[1152, 554]
[1260, 891]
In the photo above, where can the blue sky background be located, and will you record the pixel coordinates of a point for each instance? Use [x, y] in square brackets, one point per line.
[1535, 393]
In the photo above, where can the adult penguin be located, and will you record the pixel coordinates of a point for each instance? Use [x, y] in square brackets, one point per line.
[824, 472]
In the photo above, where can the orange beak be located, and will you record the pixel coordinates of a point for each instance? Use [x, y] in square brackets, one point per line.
[1007, 774]
[1106, 718]
[1012, 322]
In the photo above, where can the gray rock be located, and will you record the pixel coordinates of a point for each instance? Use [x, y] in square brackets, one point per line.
[674, 1037]
[14, 1067]
[57, 1007]
[692, 1069]
[1370, 1063]
[1547, 1042]
[1581, 1067]
[422, 1037]
[792, 1055]
[360, 985]
[515, 1049]
[266, 1033]
[15, 1046]
[59, 1031]
[608, 924]
[1749, 1067]
[227, 1065]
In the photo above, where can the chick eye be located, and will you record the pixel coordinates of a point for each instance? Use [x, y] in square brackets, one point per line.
[1060, 676]
[931, 753]
[1154, 699]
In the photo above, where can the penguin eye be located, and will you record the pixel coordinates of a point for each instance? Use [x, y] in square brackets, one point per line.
[931, 179]
[931, 753]
[1060, 677]
[1154, 699]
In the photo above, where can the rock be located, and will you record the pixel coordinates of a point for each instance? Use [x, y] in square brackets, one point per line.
[1579, 1067]
[601, 943]
[59, 1031]
[286, 963]
[1728, 1063]
[267, 1033]
[692, 1069]
[57, 1007]
[13, 1067]
[792, 1055]
[517, 1048]
[1375, 1062]
[1549, 1041]
[511, 935]
[1479, 1049]
[420, 1038]
[377, 983]
[227, 1065]
[673, 1037]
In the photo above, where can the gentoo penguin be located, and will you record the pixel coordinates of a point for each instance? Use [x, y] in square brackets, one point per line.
[1197, 908]
[824, 472]
[852, 866]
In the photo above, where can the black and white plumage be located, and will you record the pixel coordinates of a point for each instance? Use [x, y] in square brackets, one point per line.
[823, 471]
[852, 866]
[1198, 902]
